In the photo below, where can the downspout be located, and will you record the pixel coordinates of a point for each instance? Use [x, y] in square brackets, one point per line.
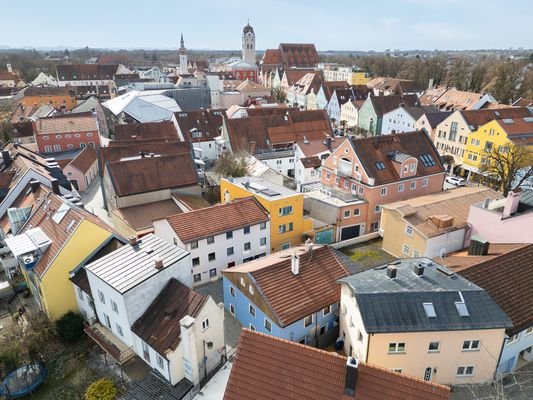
[500, 357]
[368, 347]
[316, 329]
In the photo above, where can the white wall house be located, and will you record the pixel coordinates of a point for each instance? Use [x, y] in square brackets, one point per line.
[401, 119]
[219, 237]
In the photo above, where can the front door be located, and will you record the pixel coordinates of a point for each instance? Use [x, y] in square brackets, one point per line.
[427, 374]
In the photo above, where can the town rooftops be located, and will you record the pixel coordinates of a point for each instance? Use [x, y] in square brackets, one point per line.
[311, 162]
[159, 325]
[299, 54]
[315, 147]
[518, 130]
[85, 159]
[435, 118]
[147, 130]
[200, 125]
[434, 298]
[441, 212]
[476, 118]
[130, 265]
[66, 124]
[374, 150]
[86, 72]
[506, 274]
[292, 297]
[270, 368]
[263, 188]
[47, 91]
[141, 217]
[146, 106]
[211, 221]
[417, 111]
[453, 99]
[385, 104]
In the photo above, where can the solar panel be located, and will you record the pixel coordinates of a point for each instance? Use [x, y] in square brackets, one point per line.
[270, 192]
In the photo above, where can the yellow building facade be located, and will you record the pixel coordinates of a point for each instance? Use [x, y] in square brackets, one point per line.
[360, 78]
[287, 222]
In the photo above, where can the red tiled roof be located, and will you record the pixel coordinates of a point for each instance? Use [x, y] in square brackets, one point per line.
[114, 59]
[147, 130]
[376, 149]
[149, 174]
[198, 224]
[299, 54]
[293, 297]
[311, 162]
[271, 57]
[476, 118]
[208, 123]
[66, 124]
[270, 368]
[294, 75]
[86, 72]
[385, 104]
[159, 325]
[85, 159]
[506, 277]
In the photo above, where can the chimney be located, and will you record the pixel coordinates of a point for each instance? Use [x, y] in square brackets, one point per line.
[295, 264]
[478, 246]
[328, 142]
[34, 185]
[6, 157]
[392, 271]
[511, 203]
[55, 186]
[132, 240]
[158, 263]
[418, 269]
[431, 82]
[9, 69]
[350, 381]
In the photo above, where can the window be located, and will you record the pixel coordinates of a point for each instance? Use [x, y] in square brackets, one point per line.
[251, 310]
[285, 228]
[205, 324]
[429, 309]
[212, 272]
[268, 325]
[453, 131]
[327, 176]
[211, 257]
[359, 336]
[243, 283]
[413, 185]
[354, 187]
[251, 289]
[114, 306]
[262, 225]
[285, 210]
[413, 167]
[263, 242]
[375, 226]
[247, 246]
[159, 361]
[326, 310]
[416, 253]
[210, 240]
[361, 190]
[232, 309]
[400, 187]
[529, 331]
[377, 209]
[406, 250]
[101, 297]
[405, 169]
[383, 191]
[434, 347]
[396, 347]
[58, 136]
[323, 330]
[57, 147]
[427, 160]
[285, 246]
[47, 148]
[146, 351]
[465, 370]
[80, 293]
[471, 345]
[194, 245]
[89, 134]
[229, 251]
[232, 291]
[425, 182]
[308, 320]
[246, 230]
[409, 230]
[380, 166]
[356, 212]
[119, 330]
[337, 181]
[229, 235]
[252, 328]
[347, 214]
[195, 261]
[197, 277]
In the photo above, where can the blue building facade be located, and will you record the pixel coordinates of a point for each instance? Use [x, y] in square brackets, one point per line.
[318, 329]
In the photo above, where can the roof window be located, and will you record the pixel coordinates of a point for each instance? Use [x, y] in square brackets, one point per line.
[430, 310]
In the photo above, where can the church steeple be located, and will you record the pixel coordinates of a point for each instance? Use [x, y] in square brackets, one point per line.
[248, 44]
[182, 44]
[183, 57]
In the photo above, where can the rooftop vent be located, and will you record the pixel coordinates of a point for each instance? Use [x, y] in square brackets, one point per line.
[418, 269]
[158, 263]
[133, 240]
[351, 377]
[295, 264]
[392, 271]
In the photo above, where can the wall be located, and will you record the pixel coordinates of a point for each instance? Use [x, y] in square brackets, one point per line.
[350, 114]
[456, 147]
[55, 284]
[66, 141]
[511, 351]
[366, 114]
[84, 180]
[84, 303]
[284, 165]
[358, 239]
[397, 120]
[489, 225]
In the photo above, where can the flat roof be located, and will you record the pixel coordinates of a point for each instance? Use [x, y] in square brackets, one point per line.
[335, 197]
[130, 265]
[263, 188]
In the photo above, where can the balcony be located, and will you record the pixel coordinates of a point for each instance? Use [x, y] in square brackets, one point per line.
[273, 154]
[109, 342]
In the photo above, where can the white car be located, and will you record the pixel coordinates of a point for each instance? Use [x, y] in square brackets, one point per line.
[454, 180]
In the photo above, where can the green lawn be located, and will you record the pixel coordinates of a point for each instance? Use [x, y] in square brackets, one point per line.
[368, 254]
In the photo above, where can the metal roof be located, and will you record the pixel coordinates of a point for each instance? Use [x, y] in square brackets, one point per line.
[28, 242]
[130, 265]
[397, 305]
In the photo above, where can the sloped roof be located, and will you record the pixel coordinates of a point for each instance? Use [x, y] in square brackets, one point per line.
[311, 148]
[293, 297]
[476, 118]
[146, 130]
[450, 98]
[299, 54]
[199, 224]
[311, 162]
[208, 123]
[85, 159]
[417, 111]
[294, 75]
[143, 106]
[518, 130]
[385, 104]
[506, 277]
[86, 72]
[270, 368]
[47, 91]
[149, 174]
[159, 325]
[435, 118]
[307, 83]
[376, 149]
[66, 124]
[141, 217]
[271, 57]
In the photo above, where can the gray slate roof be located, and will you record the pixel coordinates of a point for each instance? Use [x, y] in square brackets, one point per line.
[130, 265]
[153, 387]
[396, 305]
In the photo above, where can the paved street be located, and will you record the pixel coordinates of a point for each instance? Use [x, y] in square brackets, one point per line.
[232, 328]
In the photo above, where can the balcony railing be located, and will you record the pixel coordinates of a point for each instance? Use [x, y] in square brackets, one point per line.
[109, 342]
[271, 154]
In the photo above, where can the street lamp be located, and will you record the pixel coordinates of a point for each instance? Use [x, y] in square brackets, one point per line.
[209, 346]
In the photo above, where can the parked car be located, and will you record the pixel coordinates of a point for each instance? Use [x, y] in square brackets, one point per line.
[455, 180]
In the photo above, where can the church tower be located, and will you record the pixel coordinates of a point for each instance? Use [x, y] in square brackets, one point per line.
[248, 44]
[183, 58]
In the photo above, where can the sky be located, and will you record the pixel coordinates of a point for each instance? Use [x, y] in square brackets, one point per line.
[211, 24]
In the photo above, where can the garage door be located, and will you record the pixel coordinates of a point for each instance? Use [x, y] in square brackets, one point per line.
[350, 232]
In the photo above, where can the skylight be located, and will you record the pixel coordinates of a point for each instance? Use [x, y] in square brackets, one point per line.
[430, 310]
[427, 160]
[60, 213]
[380, 165]
[461, 309]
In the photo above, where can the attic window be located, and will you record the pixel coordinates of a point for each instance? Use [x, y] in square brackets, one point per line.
[430, 310]
[60, 214]
[380, 165]
[427, 160]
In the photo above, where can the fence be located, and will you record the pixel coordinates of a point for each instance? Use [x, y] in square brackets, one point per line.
[355, 240]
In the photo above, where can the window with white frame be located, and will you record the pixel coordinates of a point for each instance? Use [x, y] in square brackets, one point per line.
[243, 283]
[377, 209]
[465, 370]
[205, 324]
[250, 289]
[397, 347]
[252, 328]
[210, 240]
[262, 225]
[412, 186]
[262, 242]
[119, 329]
[416, 253]
[400, 187]
[229, 251]
[356, 212]
[101, 297]
[434, 347]
[406, 249]
[326, 310]
[268, 325]
[383, 192]
[146, 351]
[232, 291]
[247, 246]
[361, 190]
[308, 320]
[195, 261]
[346, 213]
[159, 361]
[409, 230]
[471, 345]
[285, 210]
[425, 182]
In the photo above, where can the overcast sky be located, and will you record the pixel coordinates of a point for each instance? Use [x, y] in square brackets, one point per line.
[217, 24]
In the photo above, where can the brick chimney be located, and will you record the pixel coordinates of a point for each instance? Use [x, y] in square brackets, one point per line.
[511, 203]
[350, 381]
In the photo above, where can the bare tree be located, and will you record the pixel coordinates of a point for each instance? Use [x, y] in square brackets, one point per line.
[232, 164]
[509, 166]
